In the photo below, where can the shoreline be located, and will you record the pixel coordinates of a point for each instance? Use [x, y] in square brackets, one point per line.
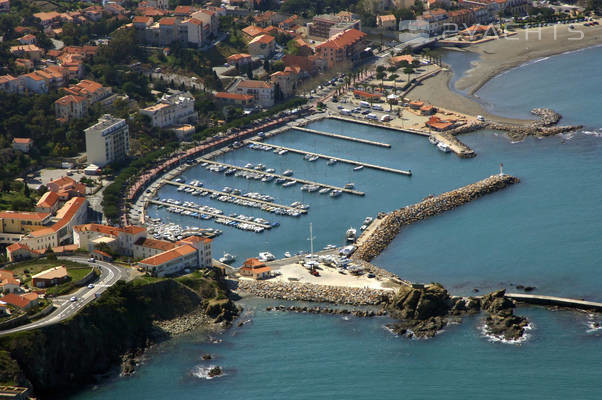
[495, 58]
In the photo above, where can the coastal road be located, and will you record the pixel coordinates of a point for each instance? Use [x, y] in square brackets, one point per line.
[65, 308]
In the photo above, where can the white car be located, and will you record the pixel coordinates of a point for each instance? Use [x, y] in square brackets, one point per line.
[90, 286]
[73, 299]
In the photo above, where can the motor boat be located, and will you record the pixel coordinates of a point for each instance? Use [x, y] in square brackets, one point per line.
[266, 256]
[350, 234]
[227, 258]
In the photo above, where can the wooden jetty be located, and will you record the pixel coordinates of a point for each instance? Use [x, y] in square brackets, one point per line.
[289, 178]
[343, 137]
[267, 203]
[343, 160]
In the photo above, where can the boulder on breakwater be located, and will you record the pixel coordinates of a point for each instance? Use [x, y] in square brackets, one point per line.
[433, 205]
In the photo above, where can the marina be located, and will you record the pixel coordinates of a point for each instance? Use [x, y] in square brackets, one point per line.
[343, 137]
[286, 178]
[244, 200]
[339, 159]
[212, 214]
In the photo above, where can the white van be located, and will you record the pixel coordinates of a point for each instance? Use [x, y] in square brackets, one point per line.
[345, 111]
[372, 116]
[377, 107]
[385, 118]
[364, 104]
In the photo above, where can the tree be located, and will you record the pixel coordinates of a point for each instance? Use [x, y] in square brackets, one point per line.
[409, 71]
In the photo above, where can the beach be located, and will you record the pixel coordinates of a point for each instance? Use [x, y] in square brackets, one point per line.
[497, 56]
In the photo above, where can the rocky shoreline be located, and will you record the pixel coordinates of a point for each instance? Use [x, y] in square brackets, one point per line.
[326, 310]
[432, 205]
[295, 291]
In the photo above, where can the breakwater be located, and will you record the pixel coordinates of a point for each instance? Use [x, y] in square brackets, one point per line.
[296, 291]
[432, 205]
[327, 310]
[544, 126]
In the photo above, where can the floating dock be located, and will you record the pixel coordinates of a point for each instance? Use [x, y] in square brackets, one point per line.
[343, 160]
[267, 203]
[226, 217]
[337, 136]
[290, 178]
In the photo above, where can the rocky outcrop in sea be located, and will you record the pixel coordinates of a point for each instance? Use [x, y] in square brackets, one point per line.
[544, 126]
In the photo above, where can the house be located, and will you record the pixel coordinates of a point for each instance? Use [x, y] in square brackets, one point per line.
[251, 32]
[79, 98]
[8, 283]
[416, 105]
[119, 239]
[14, 224]
[30, 51]
[263, 92]
[404, 59]
[243, 100]
[145, 247]
[27, 39]
[66, 188]
[23, 301]
[289, 23]
[328, 25]
[477, 32]
[22, 144]
[70, 107]
[367, 96]
[344, 47]
[4, 5]
[286, 80]
[191, 252]
[302, 48]
[386, 22]
[50, 277]
[436, 19]
[255, 269]
[262, 45]
[439, 125]
[48, 203]
[34, 83]
[10, 84]
[427, 109]
[19, 251]
[174, 108]
[48, 19]
[239, 60]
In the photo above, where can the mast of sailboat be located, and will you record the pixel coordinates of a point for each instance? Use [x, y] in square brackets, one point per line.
[311, 240]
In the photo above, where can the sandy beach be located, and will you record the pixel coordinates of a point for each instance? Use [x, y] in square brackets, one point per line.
[498, 56]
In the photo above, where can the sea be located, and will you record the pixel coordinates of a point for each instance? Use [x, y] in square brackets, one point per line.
[544, 232]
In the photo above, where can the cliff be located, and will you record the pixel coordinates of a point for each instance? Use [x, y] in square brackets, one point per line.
[61, 358]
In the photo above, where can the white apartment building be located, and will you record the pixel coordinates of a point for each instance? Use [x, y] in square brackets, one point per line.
[107, 141]
[173, 109]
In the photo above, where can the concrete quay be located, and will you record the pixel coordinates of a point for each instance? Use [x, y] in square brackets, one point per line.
[290, 178]
[343, 137]
[343, 160]
[371, 246]
[555, 301]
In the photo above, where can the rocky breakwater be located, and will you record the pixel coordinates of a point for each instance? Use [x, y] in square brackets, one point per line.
[423, 311]
[327, 310]
[430, 206]
[544, 126]
[316, 293]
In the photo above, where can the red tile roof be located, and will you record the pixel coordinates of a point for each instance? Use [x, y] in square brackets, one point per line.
[48, 200]
[24, 215]
[155, 244]
[169, 255]
[251, 84]
[233, 96]
[343, 39]
[167, 21]
[265, 39]
[19, 300]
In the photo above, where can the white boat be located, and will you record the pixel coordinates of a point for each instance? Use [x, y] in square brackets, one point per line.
[289, 183]
[368, 220]
[282, 152]
[433, 140]
[307, 157]
[358, 168]
[266, 256]
[443, 147]
[350, 234]
[313, 158]
[324, 190]
[249, 165]
[332, 161]
[335, 193]
[287, 254]
[350, 185]
[288, 172]
[227, 258]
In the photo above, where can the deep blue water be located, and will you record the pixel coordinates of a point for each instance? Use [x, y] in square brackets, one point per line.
[545, 231]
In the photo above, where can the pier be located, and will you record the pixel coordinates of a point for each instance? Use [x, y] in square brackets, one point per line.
[374, 243]
[289, 178]
[343, 137]
[226, 217]
[266, 203]
[343, 160]
[555, 301]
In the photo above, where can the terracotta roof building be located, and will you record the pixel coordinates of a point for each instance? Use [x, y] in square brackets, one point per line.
[344, 47]
[50, 277]
[23, 301]
[255, 269]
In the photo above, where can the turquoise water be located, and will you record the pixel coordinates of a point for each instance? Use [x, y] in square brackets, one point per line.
[545, 231]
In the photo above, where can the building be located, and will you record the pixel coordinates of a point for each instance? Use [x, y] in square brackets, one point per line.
[50, 277]
[8, 282]
[23, 301]
[16, 224]
[327, 25]
[90, 237]
[22, 144]
[10, 84]
[251, 32]
[262, 45]
[173, 109]
[262, 92]
[239, 60]
[49, 202]
[286, 80]
[66, 188]
[344, 47]
[4, 5]
[436, 19]
[30, 51]
[107, 141]
[386, 22]
[255, 269]
[235, 99]
[191, 252]
[367, 96]
[145, 247]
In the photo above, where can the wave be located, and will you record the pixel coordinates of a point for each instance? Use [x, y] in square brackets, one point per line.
[202, 372]
[500, 339]
[595, 133]
[593, 325]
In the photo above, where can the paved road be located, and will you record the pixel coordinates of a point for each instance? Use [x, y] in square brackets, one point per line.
[65, 308]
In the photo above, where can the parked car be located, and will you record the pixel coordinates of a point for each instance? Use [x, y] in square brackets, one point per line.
[73, 299]
[90, 286]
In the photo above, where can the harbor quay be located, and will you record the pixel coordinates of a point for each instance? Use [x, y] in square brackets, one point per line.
[388, 228]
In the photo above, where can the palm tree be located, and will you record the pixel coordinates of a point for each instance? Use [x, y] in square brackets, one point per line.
[408, 70]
